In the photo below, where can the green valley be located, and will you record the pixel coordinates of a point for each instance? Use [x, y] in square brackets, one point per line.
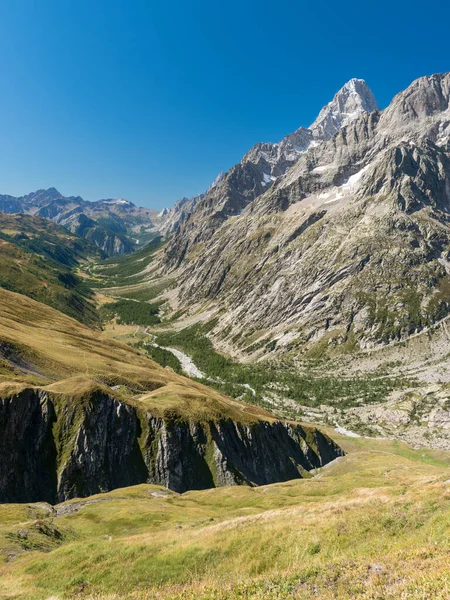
[40, 259]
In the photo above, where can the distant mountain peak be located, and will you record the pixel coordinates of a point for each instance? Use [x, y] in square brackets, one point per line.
[350, 102]
[50, 192]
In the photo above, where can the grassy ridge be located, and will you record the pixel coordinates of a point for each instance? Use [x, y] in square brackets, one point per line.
[79, 358]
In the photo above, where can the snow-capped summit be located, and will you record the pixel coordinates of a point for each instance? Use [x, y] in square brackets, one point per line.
[351, 101]
[117, 202]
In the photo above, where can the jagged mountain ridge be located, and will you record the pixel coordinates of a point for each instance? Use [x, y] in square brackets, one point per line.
[350, 247]
[114, 225]
[266, 162]
[174, 217]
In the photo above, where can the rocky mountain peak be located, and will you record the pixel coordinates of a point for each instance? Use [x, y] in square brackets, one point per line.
[216, 181]
[44, 195]
[426, 97]
[350, 102]
[267, 162]
[50, 191]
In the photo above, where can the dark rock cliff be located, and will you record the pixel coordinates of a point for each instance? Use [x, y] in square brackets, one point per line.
[54, 448]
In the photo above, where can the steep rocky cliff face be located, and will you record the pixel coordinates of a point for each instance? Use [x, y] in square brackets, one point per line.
[350, 247]
[172, 219]
[197, 219]
[54, 448]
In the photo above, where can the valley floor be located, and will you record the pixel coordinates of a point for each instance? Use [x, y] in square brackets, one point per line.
[373, 524]
[398, 391]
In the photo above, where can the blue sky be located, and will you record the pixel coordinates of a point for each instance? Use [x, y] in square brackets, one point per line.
[150, 100]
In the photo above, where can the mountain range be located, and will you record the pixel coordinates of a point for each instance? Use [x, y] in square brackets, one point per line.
[336, 236]
[211, 401]
[115, 226]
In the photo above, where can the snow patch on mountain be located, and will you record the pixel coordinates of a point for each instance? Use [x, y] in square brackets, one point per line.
[267, 179]
[354, 179]
[119, 201]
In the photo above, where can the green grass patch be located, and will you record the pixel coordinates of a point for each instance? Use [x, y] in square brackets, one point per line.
[125, 270]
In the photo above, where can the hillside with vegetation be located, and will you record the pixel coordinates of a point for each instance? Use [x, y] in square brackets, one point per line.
[306, 298]
[135, 308]
[371, 525]
[41, 260]
[82, 414]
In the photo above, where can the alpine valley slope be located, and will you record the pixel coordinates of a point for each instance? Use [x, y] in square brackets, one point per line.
[347, 246]
[81, 414]
[373, 524]
[40, 259]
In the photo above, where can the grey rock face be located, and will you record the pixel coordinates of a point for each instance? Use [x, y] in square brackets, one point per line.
[173, 219]
[10, 205]
[54, 449]
[425, 97]
[350, 246]
[196, 219]
[27, 470]
[101, 446]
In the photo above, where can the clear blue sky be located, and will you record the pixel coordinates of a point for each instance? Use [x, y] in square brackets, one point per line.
[149, 100]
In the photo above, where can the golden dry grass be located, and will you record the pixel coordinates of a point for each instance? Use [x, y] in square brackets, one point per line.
[374, 524]
[59, 352]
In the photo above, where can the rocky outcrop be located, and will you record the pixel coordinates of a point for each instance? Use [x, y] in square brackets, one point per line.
[172, 219]
[108, 241]
[54, 448]
[27, 468]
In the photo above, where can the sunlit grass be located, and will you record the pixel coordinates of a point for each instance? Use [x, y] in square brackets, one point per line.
[374, 524]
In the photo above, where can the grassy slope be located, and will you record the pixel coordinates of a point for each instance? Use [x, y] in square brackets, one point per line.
[372, 525]
[38, 259]
[127, 271]
[46, 348]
